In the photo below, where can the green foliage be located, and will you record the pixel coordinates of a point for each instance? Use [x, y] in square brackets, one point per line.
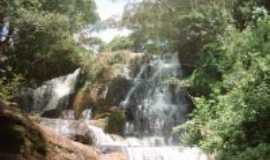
[119, 43]
[116, 122]
[103, 66]
[43, 36]
[8, 86]
[43, 41]
[231, 118]
[198, 29]
[230, 83]
[79, 13]
[176, 26]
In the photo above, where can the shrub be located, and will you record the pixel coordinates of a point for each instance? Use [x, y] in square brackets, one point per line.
[232, 118]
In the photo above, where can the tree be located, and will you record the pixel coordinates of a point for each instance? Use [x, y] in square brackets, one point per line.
[43, 35]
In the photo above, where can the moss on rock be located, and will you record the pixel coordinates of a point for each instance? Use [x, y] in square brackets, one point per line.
[116, 122]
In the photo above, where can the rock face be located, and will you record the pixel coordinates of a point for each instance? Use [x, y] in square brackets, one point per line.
[112, 83]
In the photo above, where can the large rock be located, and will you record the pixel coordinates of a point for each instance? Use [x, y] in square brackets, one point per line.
[61, 148]
[112, 84]
[23, 139]
[20, 138]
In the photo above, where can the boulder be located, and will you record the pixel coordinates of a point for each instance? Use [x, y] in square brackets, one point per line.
[23, 139]
[20, 138]
[113, 81]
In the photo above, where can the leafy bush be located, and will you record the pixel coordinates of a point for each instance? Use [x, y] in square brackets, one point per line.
[43, 41]
[232, 118]
[119, 43]
[116, 122]
[42, 35]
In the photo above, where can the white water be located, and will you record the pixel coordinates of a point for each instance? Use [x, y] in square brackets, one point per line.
[54, 94]
[165, 153]
[136, 83]
[154, 105]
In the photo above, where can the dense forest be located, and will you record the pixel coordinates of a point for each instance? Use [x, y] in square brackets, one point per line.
[222, 46]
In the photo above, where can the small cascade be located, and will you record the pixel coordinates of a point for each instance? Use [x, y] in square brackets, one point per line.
[54, 95]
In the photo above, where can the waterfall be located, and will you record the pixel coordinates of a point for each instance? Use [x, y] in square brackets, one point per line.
[53, 96]
[153, 105]
[153, 108]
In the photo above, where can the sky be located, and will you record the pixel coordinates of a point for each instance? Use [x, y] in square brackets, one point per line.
[110, 9]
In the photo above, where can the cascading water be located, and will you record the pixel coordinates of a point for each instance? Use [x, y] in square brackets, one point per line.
[53, 96]
[154, 107]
